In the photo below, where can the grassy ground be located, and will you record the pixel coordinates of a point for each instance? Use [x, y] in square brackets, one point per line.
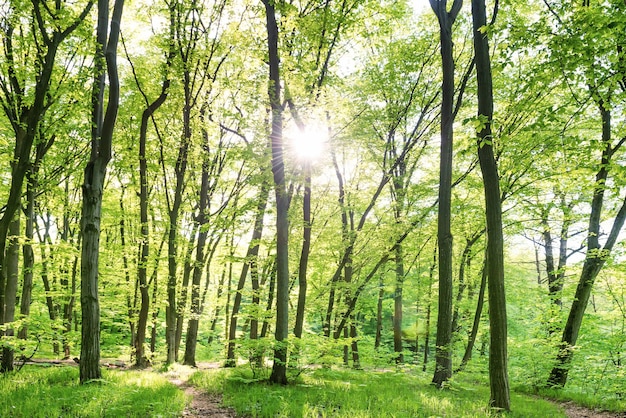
[52, 392]
[38, 391]
[359, 394]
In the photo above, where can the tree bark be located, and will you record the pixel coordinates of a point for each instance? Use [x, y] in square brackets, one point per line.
[304, 254]
[429, 308]
[10, 294]
[279, 368]
[25, 118]
[498, 362]
[251, 255]
[443, 353]
[471, 340]
[93, 183]
[595, 257]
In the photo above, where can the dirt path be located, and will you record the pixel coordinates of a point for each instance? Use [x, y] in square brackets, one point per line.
[574, 411]
[202, 404]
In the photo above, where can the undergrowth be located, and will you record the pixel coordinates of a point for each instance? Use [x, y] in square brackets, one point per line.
[328, 392]
[50, 392]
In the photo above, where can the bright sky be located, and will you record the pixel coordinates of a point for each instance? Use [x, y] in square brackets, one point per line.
[420, 5]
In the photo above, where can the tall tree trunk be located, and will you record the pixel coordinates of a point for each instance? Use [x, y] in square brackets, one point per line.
[131, 302]
[11, 267]
[431, 274]
[471, 340]
[443, 353]
[68, 286]
[466, 258]
[45, 258]
[28, 254]
[141, 360]
[198, 266]
[595, 257]
[304, 254]
[498, 361]
[279, 368]
[397, 306]
[251, 256]
[93, 183]
[379, 312]
[183, 296]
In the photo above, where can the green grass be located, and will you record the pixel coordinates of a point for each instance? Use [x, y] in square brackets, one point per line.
[361, 394]
[52, 392]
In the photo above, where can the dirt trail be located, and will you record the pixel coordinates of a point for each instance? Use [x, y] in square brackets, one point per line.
[575, 411]
[202, 404]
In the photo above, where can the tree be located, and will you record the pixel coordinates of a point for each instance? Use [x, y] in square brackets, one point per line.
[443, 354]
[93, 183]
[601, 85]
[498, 360]
[279, 369]
[25, 102]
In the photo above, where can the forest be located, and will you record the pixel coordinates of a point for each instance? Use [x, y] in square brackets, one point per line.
[337, 208]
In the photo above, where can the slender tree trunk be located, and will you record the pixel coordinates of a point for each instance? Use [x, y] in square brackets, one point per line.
[498, 361]
[379, 312]
[131, 302]
[198, 266]
[279, 369]
[594, 259]
[431, 275]
[304, 254]
[11, 266]
[141, 360]
[443, 353]
[183, 297]
[251, 256]
[354, 345]
[270, 300]
[397, 304]
[28, 254]
[466, 258]
[93, 183]
[50, 304]
[471, 340]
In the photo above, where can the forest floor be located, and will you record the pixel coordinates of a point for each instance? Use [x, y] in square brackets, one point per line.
[576, 411]
[202, 404]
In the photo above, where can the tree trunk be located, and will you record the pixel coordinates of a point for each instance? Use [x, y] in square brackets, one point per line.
[10, 294]
[279, 369]
[443, 353]
[431, 275]
[498, 368]
[141, 360]
[28, 254]
[466, 258]
[198, 266]
[184, 291]
[397, 304]
[251, 255]
[595, 257]
[304, 254]
[101, 149]
[379, 312]
[471, 340]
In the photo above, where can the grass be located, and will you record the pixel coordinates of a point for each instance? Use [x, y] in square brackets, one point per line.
[360, 394]
[55, 392]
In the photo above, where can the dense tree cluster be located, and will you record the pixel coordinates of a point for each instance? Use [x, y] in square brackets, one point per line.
[312, 180]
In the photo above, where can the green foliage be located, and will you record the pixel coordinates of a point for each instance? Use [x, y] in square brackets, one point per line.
[51, 392]
[345, 393]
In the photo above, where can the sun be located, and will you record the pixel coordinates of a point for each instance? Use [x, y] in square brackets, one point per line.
[309, 144]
